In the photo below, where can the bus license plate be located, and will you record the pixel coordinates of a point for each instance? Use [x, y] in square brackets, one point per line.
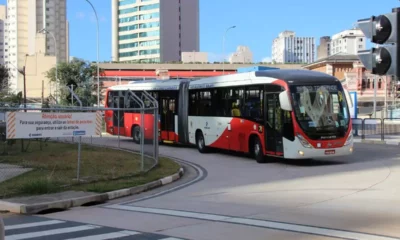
[329, 152]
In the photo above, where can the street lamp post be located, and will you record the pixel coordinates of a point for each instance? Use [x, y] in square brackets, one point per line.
[223, 48]
[44, 30]
[98, 70]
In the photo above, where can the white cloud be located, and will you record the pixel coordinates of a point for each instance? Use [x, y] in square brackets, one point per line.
[80, 15]
[267, 59]
[93, 18]
[218, 57]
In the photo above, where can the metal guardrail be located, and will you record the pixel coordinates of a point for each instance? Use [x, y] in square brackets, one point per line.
[376, 128]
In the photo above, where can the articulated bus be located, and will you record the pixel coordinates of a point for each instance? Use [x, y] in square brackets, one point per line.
[290, 114]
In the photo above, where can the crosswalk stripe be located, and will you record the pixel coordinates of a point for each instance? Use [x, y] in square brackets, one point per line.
[35, 224]
[50, 232]
[107, 236]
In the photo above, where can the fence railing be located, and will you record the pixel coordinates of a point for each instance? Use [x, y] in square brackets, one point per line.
[376, 128]
[63, 146]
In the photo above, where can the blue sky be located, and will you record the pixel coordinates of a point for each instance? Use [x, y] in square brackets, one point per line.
[258, 23]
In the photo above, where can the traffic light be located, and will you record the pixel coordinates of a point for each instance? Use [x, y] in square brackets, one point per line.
[382, 29]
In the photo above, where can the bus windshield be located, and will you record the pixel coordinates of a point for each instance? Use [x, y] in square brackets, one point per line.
[321, 110]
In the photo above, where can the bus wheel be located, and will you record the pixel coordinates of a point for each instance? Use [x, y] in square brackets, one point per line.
[201, 145]
[136, 134]
[257, 151]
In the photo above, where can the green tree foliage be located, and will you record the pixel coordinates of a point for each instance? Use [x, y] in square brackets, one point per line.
[6, 96]
[82, 76]
[4, 76]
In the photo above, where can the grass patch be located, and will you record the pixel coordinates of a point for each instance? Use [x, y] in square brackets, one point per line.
[55, 167]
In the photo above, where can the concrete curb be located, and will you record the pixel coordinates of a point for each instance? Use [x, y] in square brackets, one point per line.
[379, 142]
[96, 198]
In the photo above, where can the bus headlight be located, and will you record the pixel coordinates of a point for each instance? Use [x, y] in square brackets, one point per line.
[349, 139]
[304, 142]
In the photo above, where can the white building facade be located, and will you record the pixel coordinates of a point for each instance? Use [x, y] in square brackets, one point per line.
[242, 55]
[25, 18]
[3, 16]
[287, 48]
[154, 30]
[347, 42]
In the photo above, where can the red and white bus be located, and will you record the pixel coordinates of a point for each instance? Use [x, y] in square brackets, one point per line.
[280, 113]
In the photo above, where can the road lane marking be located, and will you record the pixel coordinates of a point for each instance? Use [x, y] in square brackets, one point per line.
[321, 231]
[35, 224]
[50, 232]
[107, 236]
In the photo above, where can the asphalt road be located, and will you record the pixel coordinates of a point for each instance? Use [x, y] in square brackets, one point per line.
[225, 196]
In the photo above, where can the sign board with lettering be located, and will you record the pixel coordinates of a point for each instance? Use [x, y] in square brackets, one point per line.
[25, 125]
[353, 110]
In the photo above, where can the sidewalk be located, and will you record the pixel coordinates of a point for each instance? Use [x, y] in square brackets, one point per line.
[377, 139]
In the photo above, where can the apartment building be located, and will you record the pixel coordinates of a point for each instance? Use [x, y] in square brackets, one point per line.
[349, 42]
[25, 18]
[3, 15]
[324, 47]
[154, 30]
[288, 48]
[346, 42]
[243, 54]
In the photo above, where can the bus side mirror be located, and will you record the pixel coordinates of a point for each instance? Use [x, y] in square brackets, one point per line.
[285, 101]
[348, 98]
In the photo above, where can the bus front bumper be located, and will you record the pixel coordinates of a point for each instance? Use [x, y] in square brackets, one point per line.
[295, 150]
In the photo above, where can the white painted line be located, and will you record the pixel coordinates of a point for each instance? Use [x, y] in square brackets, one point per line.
[204, 216]
[35, 224]
[107, 236]
[257, 223]
[170, 238]
[50, 232]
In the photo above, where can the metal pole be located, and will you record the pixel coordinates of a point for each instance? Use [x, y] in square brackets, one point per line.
[386, 81]
[119, 138]
[375, 88]
[223, 48]
[24, 74]
[98, 68]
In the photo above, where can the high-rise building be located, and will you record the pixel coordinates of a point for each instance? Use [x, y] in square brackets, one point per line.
[154, 30]
[287, 48]
[25, 18]
[324, 47]
[348, 42]
[243, 54]
[3, 16]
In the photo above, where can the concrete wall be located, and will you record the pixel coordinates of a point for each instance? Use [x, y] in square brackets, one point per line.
[36, 67]
[191, 57]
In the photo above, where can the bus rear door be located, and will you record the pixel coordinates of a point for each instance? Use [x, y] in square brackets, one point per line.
[273, 124]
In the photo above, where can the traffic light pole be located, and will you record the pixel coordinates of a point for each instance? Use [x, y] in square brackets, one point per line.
[375, 89]
[381, 60]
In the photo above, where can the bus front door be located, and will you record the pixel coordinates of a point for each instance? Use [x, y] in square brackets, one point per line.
[273, 124]
[167, 121]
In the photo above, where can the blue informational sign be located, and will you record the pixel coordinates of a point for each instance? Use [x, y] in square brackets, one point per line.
[353, 110]
[254, 68]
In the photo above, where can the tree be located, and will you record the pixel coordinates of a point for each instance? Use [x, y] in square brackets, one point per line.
[4, 76]
[81, 75]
